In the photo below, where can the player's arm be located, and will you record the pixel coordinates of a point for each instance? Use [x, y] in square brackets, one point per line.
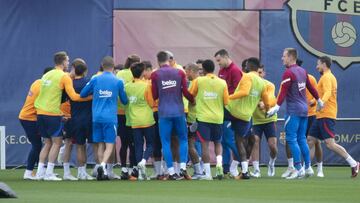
[244, 88]
[284, 87]
[122, 93]
[148, 96]
[88, 89]
[35, 89]
[194, 88]
[326, 84]
[154, 89]
[226, 96]
[184, 88]
[67, 83]
[311, 88]
[270, 91]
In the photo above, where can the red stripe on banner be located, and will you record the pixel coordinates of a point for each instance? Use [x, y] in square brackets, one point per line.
[317, 30]
[343, 51]
[200, 137]
[264, 4]
[328, 130]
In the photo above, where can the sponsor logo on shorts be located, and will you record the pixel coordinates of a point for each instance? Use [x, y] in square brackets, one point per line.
[168, 84]
[105, 93]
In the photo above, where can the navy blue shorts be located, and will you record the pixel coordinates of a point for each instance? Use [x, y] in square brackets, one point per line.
[268, 129]
[323, 128]
[209, 131]
[81, 131]
[240, 127]
[67, 130]
[311, 120]
[50, 126]
[104, 132]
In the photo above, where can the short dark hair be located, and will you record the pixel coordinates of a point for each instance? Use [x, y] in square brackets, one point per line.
[137, 69]
[199, 61]
[47, 69]
[253, 64]
[162, 57]
[80, 69]
[119, 67]
[299, 62]
[222, 53]
[133, 58]
[193, 67]
[292, 52]
[60, 57]
[208, 66]
[243, 63]
[327, 60]
[107, 62]
[147, 64]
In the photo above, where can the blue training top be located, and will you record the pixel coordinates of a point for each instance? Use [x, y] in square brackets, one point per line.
[106, 89]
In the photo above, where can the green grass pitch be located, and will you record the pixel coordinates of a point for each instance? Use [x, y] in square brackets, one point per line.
[337, 186]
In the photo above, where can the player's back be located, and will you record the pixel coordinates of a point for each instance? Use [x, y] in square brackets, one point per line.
[80, 110]
[169, 90]
[296, 102]
[210, 99]
[328, 83]
[105, 94]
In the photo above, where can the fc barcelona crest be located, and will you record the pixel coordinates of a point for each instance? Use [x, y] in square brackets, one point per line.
[328, 27]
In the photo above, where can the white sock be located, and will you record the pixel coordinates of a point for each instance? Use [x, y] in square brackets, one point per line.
[103, 165]
[291, 163]
[197, 168]
[96, 167]
[319, 164]
[109, 168]
[124, 170]
[176, 167]
[28, 173]
[272, 161]
[164, 167]
[67, 169]
[256, 165]
[41, 169]
[351, 161]
[244, 166]
[207, 169]
[157, 167]
[182, 166]
[234, 168]
[218, 160]
[143, 162]
[171, 171]
[50, 169]
[81, 170]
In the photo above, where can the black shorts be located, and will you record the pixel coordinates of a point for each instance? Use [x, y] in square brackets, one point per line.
[268, 129]
[240, 127]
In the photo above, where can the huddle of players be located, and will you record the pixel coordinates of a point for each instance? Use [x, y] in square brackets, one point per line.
[152, 109]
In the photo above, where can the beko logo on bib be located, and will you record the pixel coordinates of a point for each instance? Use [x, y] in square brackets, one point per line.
[210, 95]
[105, 93]
[168, 84]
